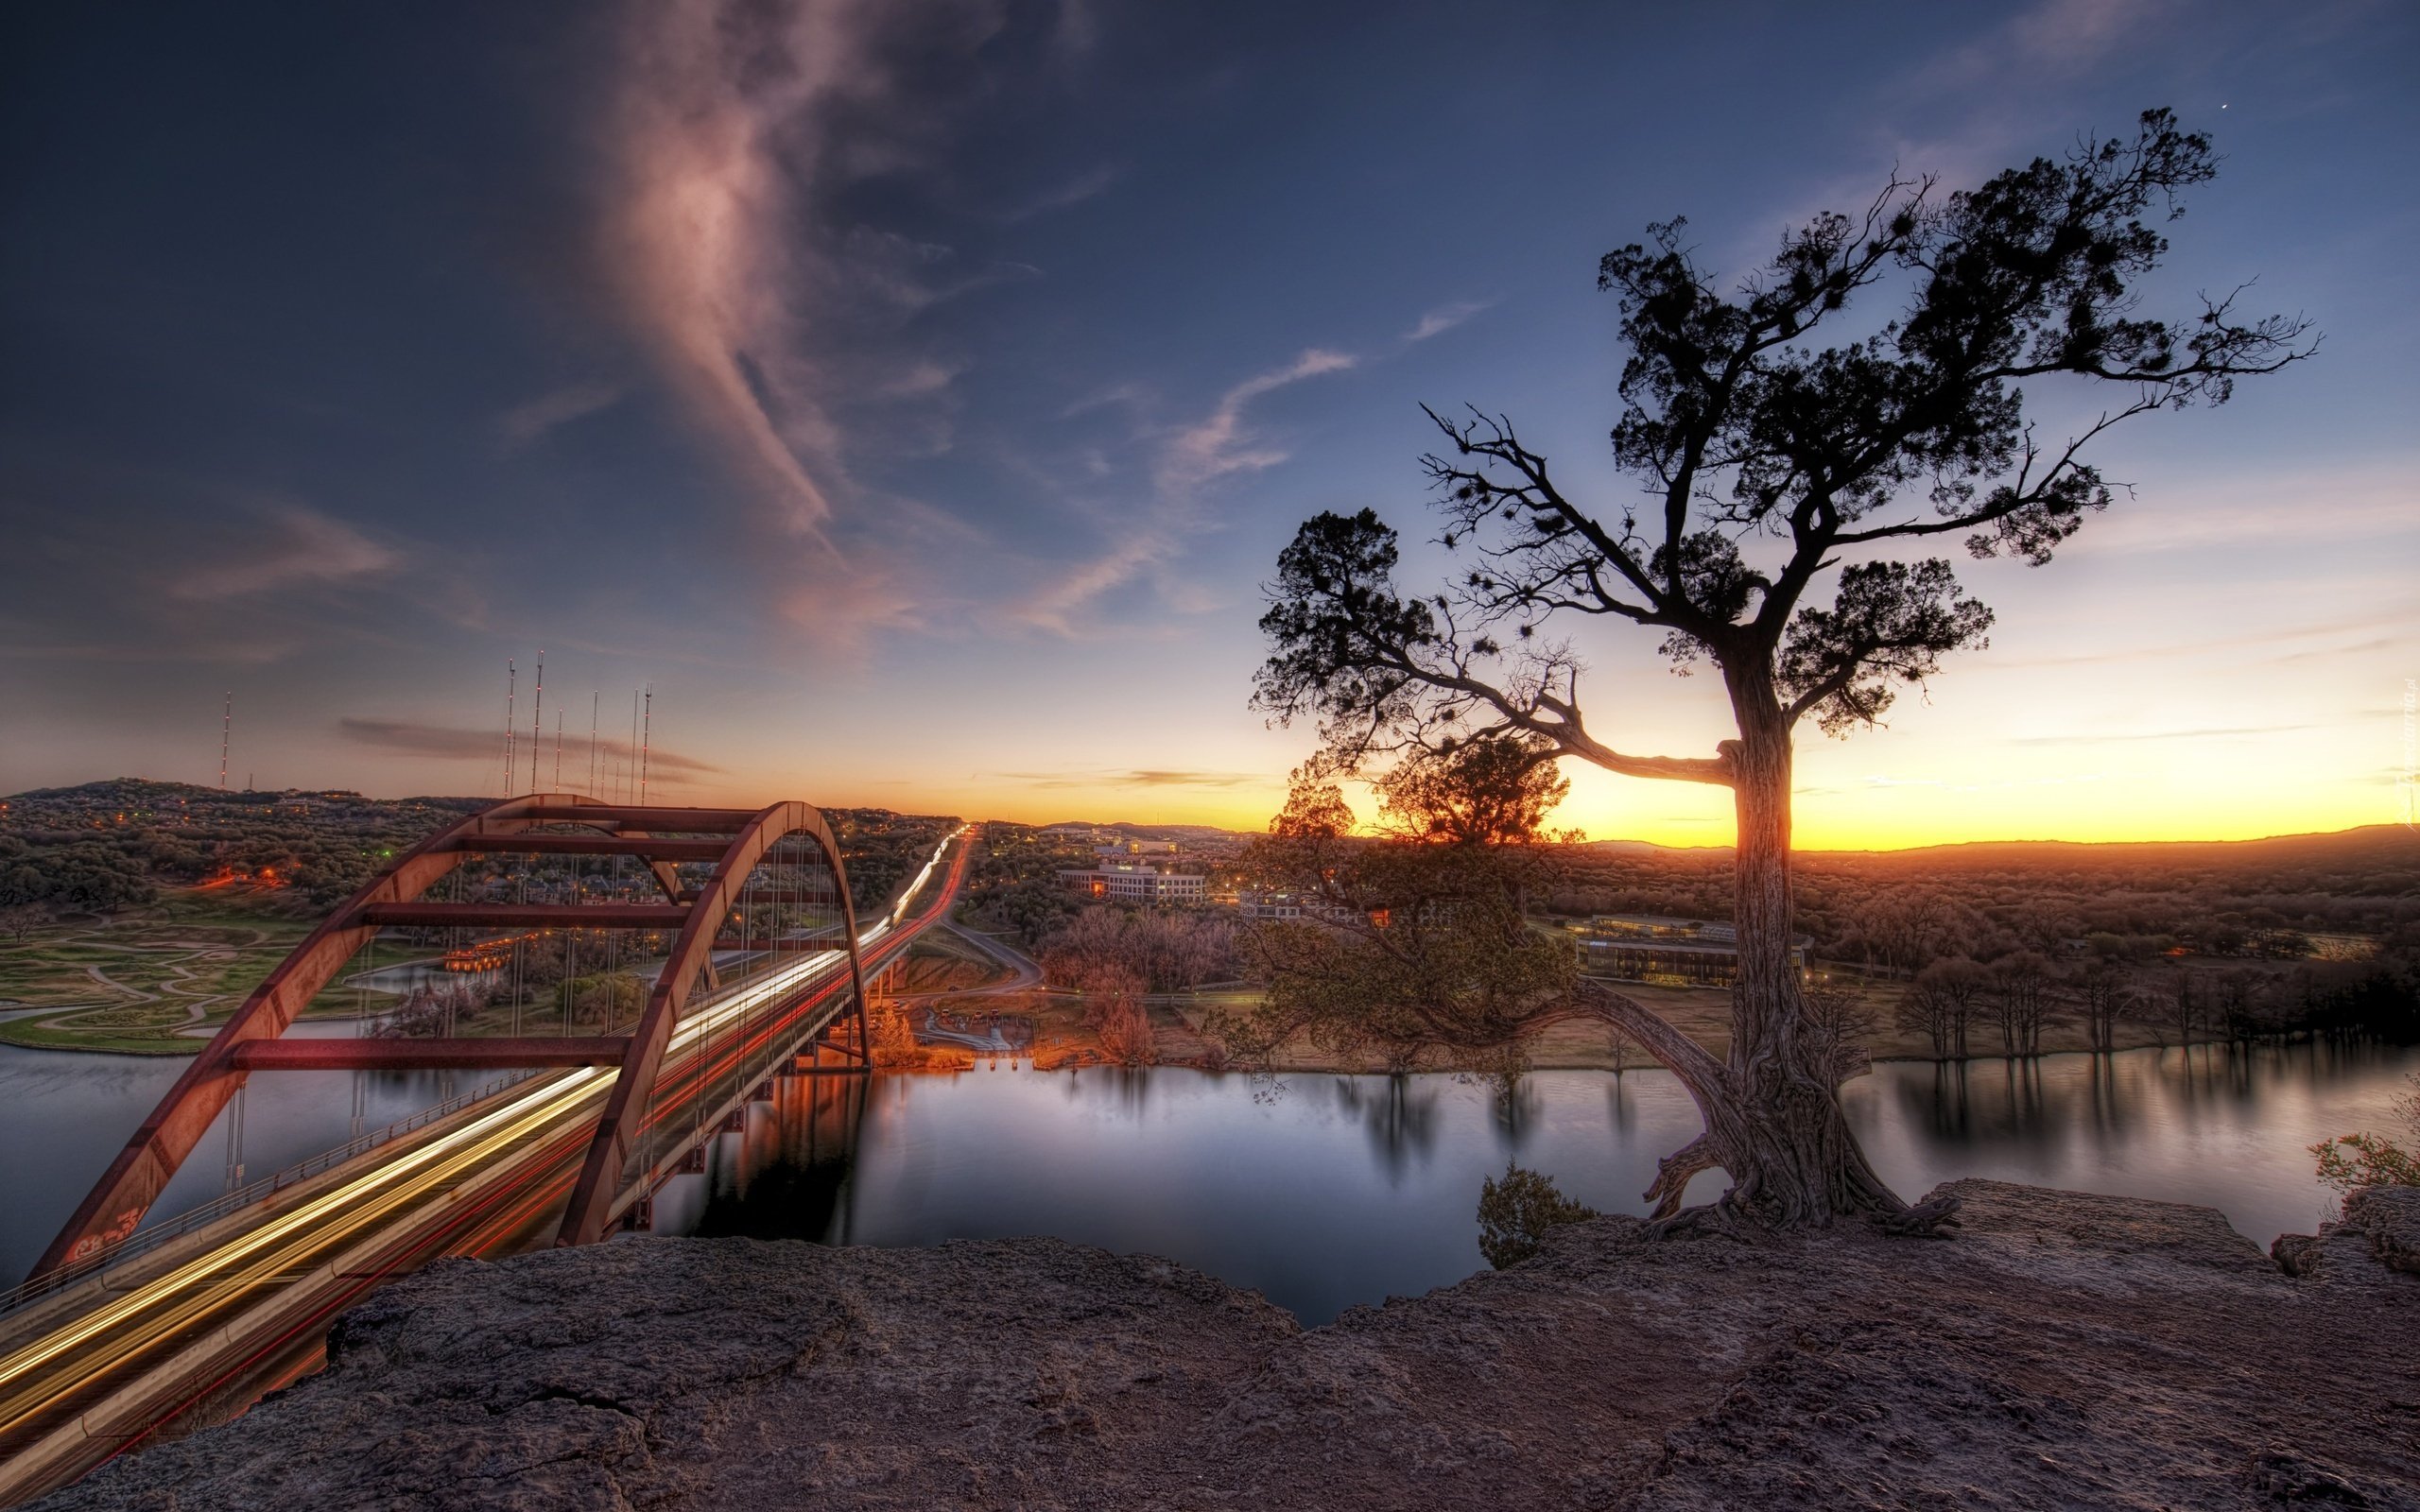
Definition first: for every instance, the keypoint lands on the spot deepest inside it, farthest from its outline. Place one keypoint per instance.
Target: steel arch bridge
(537, 824)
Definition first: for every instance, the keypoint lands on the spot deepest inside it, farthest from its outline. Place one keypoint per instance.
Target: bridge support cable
(251, 1039)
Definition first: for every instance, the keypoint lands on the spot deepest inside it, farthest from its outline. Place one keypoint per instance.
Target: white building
(1129, 882)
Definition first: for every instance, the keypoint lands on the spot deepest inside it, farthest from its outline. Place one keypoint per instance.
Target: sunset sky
(915, 394)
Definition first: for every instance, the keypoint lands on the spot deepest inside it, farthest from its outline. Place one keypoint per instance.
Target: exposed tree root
(1785, 1142)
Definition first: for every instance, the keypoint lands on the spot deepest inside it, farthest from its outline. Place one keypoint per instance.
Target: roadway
(211, 1322)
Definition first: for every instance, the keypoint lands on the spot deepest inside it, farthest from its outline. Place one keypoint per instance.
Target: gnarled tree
(1784, 491)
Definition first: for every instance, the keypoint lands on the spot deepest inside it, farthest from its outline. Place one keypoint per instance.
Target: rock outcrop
(2064, 1351)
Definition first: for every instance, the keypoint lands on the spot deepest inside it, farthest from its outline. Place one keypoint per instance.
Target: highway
(207, 1323)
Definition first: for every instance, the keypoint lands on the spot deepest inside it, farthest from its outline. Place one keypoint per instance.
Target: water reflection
(1321, 1190)
(1324, 1192)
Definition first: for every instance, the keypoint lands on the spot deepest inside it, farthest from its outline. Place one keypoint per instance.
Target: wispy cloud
(1444, 317)
(1141, 777)
(1220, 443)
(303, 548)
(526, 423)
(2122, 737)
(2268, 639)
(785, 322)
(1190, 458)
(451, 743)
(1089, 184)
(2060, 38)
(1057, 605)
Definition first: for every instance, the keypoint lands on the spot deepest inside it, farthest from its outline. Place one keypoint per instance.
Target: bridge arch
(252, 1041)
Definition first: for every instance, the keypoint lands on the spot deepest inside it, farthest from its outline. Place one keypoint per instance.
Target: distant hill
(1154, 831)
(99, 846)
(2363, 843)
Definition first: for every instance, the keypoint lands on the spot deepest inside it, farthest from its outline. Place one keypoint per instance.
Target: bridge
(127, 1329)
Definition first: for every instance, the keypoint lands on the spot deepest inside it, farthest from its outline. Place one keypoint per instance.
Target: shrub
(1515, 1211)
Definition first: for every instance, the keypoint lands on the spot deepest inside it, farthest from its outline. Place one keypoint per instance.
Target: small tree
(17, 920)
(892, 1036)
(2184, 1007)
(1939, 1005)
(2353, 1160)
(1114, 1012)
(1415, 941)
(1826, 464)
(2019, 991)
(1840, 1020)
(1515, 1211)
(2107, 993)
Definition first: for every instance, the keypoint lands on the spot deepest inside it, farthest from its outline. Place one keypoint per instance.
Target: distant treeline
(1897, 912)
(105, 846)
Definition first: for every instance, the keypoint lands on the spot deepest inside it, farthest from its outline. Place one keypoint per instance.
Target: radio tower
(647, 733)
(508, 752)
(537, 726)
(226, 733)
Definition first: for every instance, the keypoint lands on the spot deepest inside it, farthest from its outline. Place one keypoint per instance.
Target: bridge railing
(151, 1236)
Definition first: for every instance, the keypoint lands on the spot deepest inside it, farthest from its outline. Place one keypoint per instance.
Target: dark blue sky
(914, 393)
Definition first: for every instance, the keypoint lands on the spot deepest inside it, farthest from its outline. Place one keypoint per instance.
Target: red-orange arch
(167, 1136)
(603, 1172)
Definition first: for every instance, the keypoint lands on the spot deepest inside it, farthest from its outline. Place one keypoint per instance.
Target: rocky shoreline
(2065, 1351)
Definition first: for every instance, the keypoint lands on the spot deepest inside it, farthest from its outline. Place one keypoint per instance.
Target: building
(1667, 952)
(1291, 907)
(1275, 905)
(1162, 848)
(1129, 881)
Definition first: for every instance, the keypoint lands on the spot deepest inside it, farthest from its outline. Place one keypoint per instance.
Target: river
(1321, 1190)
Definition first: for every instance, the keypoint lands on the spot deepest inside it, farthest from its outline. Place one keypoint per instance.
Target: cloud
(2213, 732)
(1219, 443)
(1190, 458)
(1055, 607)
(2260, 640)
(1444, 317)
(738, 132)
(524, 424)
(452, 743)
(1086, 185)
(306, 548)
(1134, 777)
(1127, 395)
(2060, 37)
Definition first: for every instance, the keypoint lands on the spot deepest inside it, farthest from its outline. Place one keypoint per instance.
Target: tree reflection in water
(1325, 1191)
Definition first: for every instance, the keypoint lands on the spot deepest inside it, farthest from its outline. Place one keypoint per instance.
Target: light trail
(482, 1137)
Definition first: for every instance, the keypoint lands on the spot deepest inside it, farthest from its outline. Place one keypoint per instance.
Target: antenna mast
(537, 716)
(509, 767)
(226, 733)
(645, 735)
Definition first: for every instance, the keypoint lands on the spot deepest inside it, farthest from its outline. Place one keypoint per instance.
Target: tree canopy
(1764, 462)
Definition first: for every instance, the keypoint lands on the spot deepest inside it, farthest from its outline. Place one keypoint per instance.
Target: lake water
(1320, 1191)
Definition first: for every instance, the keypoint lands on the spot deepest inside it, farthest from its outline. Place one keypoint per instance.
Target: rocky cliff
(2062, 1351)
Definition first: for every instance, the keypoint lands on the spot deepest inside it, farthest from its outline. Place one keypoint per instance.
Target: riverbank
(2063, 1350)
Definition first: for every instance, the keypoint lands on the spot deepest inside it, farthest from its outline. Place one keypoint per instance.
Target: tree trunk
(1774, 1118)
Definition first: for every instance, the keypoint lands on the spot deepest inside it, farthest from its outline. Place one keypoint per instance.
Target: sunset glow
(920, 429)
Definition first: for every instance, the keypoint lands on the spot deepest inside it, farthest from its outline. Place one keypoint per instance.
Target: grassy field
(141, 982)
